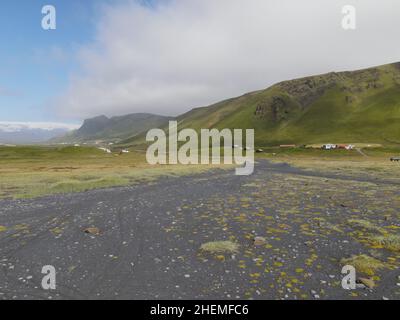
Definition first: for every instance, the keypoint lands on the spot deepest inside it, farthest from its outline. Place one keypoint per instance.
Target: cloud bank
(20, 126)
(180, 54)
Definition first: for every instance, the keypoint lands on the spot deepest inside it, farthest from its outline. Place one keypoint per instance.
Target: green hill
(357, 106)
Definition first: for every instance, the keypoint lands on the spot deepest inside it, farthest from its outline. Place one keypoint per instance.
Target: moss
(365, 224)
(220, 247)
(364, 264)
(390, 242)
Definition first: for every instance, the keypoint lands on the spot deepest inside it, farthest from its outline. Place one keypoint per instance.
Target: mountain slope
(115, 128)
(357, 106)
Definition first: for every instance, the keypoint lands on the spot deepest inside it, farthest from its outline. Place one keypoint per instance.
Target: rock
(259, 241)
(360, 286)
(369, 283)
(93, 231)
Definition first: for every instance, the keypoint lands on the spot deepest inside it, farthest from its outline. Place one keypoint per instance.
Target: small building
(329, 146)
(105, 150)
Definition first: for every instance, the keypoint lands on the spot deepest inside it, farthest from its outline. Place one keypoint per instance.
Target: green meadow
(32, 171)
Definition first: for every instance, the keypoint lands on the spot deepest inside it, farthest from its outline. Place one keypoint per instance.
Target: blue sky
(35, 64)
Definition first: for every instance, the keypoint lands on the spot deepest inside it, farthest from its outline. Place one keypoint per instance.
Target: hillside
(356, 106)
(114, 129)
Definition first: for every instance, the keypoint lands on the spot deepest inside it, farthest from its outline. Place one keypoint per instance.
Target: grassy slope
(347, 107)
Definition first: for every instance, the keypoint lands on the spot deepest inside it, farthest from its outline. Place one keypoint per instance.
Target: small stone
(259, 241)
(93, 231)
(157, 260)
(367, 282)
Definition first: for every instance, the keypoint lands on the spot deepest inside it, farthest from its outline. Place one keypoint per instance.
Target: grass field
(370, 162)
(33, 171)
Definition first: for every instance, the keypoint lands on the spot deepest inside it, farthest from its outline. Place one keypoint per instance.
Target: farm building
(329, 146)
(337, 146)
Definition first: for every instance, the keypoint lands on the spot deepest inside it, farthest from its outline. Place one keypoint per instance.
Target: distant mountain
(114, 129)
(344, 107)
(30, 132)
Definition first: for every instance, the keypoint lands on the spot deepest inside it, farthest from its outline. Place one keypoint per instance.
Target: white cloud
(20, 126)
(189, 53)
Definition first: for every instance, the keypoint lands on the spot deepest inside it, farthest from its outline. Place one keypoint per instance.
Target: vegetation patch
(365, 224)
(220, 247)
(390, 242)
(364, 264)
(68, 186)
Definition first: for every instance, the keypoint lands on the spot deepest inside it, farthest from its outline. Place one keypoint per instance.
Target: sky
(116, 57)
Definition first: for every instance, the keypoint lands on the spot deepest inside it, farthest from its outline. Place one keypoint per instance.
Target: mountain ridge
(115, 128)
(347, 106)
